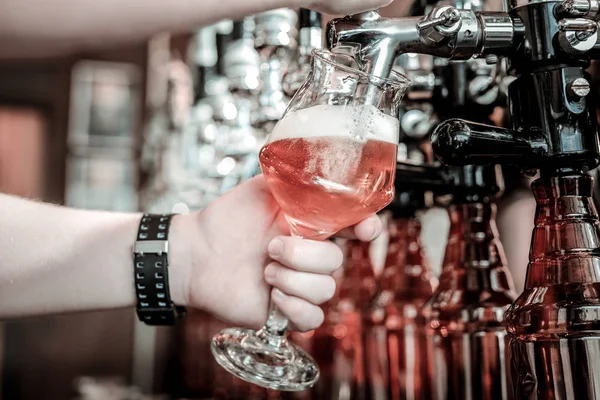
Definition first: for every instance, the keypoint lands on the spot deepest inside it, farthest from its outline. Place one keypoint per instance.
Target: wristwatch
(151, 274)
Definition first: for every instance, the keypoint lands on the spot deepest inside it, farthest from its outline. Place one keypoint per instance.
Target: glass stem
(276, 323)
(273, 333)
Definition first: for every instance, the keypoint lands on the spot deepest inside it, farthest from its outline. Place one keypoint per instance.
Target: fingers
(303, 316)
(314, 288)
(366, 230)
(306, 255)
(300, 276)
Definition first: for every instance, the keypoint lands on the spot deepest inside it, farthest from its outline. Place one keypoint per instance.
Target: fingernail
(275, 247)
(279, 293)
(270, 274)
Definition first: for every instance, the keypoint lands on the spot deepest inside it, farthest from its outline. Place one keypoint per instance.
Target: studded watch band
(151, 262)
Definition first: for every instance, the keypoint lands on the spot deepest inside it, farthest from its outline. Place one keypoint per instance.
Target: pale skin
(228, 259)
(58, 260)
(47, 28)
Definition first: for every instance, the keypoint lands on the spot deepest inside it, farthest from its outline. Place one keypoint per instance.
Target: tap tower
(554, 326)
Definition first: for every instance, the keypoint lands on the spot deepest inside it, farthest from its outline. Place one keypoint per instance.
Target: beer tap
(466, 311)
(553, 130)
(446, 31)
(558, 307)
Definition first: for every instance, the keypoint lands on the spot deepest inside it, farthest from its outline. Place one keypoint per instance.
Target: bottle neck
(474, 259)
(406, 273)
(566, 237)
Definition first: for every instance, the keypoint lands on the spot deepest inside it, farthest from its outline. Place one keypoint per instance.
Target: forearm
(57, 260)
(49, 27)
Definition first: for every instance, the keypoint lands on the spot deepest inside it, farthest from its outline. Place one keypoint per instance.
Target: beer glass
(329, 162)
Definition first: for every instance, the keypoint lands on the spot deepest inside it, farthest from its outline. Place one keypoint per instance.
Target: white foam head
(361, 122)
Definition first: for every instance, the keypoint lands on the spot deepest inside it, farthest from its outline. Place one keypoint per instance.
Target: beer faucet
(446, 31)
(553, 129)
(476, 288)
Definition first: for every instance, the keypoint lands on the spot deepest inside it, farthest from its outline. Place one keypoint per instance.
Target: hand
(345, 7)
(241, 250)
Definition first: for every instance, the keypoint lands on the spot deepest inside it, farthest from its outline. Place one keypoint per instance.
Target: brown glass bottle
(336, 345)
(322, 344)
(358, 290)
(467, 344)
(555, 323)
(406, 284)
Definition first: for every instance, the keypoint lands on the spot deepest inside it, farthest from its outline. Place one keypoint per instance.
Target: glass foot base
(264, 360)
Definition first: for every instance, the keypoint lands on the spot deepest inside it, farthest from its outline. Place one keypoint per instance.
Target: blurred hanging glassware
(275, 41)
(168, 173)
(310, 37)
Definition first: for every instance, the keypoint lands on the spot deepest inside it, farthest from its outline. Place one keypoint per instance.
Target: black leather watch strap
(151, 262)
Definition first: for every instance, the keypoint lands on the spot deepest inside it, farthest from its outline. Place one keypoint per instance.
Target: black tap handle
(422, 176)
(309, 19)
(459, 142)
(412, 183)
(466, 183)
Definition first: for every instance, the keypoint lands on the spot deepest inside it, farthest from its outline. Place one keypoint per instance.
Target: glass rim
(396, 79)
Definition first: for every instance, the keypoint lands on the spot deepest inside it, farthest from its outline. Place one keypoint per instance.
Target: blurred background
(164, 125)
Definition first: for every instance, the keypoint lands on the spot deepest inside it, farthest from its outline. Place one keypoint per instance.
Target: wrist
(191, 261)
(181, 259)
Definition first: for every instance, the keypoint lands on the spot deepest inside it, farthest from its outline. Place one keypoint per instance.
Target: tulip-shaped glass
(329, 163)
